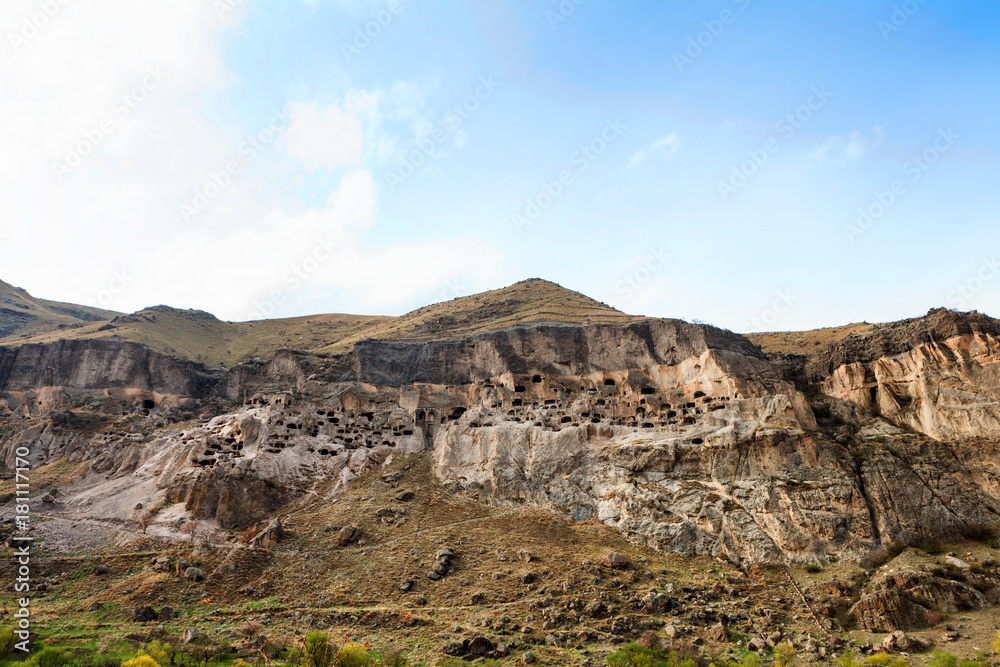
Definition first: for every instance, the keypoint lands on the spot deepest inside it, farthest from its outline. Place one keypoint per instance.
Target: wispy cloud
(854, 146)
(663, 148)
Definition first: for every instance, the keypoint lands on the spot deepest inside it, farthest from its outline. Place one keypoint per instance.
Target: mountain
(199, 336)
(454, 477)
(22, 315)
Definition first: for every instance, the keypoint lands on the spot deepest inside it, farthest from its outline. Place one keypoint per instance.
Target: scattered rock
(406, 586)
(528, 658)
(348, 535)
(615, 561)
(718, 633)
(957, 562)
(194, 574)
(480, 645)
(144, 615)
(166, 614)
(524, 556)
(101, 569)
(194, 636)
(269, 537)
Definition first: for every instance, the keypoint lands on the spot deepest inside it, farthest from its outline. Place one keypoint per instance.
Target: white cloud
(664, 148)
(117, 212)
(323, 138)
(854, 146)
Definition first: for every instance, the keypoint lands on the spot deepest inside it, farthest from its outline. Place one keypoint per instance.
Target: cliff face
(99, 364)
(681, 436)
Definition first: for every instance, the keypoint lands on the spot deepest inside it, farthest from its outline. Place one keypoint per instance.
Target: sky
(757, 166)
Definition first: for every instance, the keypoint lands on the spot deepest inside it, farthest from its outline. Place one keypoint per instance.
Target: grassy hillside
(23, 315)
(807, 343)
(202, 337)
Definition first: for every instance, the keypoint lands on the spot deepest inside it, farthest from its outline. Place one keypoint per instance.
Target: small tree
(142, 519)
(193, 528)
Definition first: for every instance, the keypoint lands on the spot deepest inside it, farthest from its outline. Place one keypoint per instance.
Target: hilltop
(200, 336)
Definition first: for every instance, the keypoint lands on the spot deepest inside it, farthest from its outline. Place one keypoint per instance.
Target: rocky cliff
(683, 437)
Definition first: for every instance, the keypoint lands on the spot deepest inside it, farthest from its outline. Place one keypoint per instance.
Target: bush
(941, 658)
(885, 660)
(141, 661)
(812, 568)
(783, 654)
(7, 641)
(317, 651)
(977, 532)
(53, 657)
(353, 655)
(161, 652)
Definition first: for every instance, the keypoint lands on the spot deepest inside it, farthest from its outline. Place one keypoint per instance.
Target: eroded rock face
(683, 437)
(946, 389)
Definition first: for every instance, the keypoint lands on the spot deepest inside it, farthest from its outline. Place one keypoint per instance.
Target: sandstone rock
(957, 562)
(718, 633)
(194, 636)
(457, 649)
(481, 646)
(615, 561)
(269, 537)
(348, 535)
(144, 615)
(524, 556)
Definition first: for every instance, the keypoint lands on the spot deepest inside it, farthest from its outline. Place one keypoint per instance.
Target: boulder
(269, 537)
(194, 636)
(718, 633)
(348, 535)
(480, 645)
(615, 561)
(194, 574)
(166, 614)
(144, 615)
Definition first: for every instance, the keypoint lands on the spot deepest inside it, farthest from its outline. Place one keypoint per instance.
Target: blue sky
(713, 157)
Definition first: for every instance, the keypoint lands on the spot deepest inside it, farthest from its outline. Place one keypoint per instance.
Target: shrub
(941, 658)
(930, 545)
(161, 652)
(141, 661)
(812, 568)
(317, 651)
(353, 655)
(996, 643)
(53, 657)
(977, 532)
(783, 654)
(885, 660)
(7, 641)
